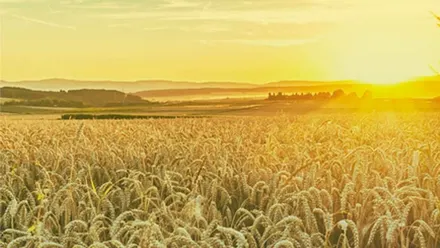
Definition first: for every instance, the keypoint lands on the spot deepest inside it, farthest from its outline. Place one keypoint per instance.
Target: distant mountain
(428, 87)
(57, 84)
(420, 87)
(295, 83)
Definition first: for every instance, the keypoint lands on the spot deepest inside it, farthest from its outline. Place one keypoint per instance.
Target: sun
(380, 79)
(385, 53)
(382, 69)
(385, 62)
(385, 74)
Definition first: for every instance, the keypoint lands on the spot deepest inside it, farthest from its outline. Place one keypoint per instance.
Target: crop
(340, 180)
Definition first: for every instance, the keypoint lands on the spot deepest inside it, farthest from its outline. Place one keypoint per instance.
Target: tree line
(337, 94)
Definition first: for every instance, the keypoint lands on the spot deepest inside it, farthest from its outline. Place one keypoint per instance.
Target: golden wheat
(351, 180)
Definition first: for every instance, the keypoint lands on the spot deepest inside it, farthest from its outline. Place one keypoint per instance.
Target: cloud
(155, 28)
(270, 43)
(81, 4)
(53, 11)
(119, 25)
(194, 28)
(254, 15)
(33, 20)
(19, 1)
(67, 2)
(179, 4)
(275, 11)
(204, 29)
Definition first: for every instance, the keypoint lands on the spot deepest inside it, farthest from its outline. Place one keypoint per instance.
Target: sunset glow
(201, 40)
(220, 123)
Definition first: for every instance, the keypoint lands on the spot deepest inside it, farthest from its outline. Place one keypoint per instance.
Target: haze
(243, 41)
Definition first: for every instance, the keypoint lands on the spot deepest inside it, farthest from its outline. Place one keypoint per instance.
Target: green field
(3, 100)
(164, 109)
(226, 107)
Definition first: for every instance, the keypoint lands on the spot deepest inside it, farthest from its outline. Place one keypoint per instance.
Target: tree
(352, 96)
(338, 94)
(367, 96)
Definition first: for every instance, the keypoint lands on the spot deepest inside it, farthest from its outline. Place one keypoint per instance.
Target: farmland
(318, 180)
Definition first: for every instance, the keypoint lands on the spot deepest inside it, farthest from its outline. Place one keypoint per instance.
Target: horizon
(415, 78)
(206, 41)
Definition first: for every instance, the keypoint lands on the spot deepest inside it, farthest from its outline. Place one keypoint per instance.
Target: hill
(71, 98)
(424, 87)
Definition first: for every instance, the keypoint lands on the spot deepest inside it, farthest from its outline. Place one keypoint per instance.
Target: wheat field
(340, 180)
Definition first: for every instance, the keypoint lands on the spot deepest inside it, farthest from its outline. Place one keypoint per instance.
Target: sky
(223, 40)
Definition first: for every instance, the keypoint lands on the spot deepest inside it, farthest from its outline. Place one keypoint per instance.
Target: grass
(17, 109)
(230, 108)
(3, 100)
(345, 180)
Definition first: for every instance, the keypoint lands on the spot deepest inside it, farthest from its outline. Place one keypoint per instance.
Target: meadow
(317, 180)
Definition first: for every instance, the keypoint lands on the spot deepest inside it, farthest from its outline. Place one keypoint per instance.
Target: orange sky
(202, 40)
